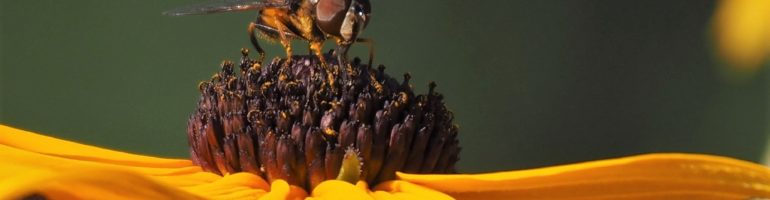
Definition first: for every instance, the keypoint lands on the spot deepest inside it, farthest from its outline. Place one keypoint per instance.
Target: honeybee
(314, 21)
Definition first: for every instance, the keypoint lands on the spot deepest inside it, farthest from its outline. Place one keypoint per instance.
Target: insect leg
(370, 43)
(342, 56)
(342, 53)
(254, 42)
(285, 42)
(315, 48)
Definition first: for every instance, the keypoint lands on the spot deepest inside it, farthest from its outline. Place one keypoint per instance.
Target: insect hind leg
(342, 56)
(255, 42)
(277, 31)
(285, 42)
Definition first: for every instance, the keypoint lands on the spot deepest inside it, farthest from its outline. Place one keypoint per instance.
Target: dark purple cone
(315, 155)
(290, 123)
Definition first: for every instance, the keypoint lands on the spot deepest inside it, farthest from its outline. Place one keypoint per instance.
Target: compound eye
(330, 14)
(363, 9)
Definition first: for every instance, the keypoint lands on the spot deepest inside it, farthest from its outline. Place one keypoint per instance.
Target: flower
(304, 122)
(34, 166)
(741, 31)
(311, 131)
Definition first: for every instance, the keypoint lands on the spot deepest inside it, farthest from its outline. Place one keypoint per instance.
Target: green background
(532, 83)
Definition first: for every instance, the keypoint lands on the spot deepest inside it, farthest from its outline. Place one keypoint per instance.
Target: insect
(314, 21)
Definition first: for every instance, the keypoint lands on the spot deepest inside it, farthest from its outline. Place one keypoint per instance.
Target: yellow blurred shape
(742, 32)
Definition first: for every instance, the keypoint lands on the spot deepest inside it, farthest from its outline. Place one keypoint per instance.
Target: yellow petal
(336, 189)
(407, 190)
(281, 189)
(742, 32)
(233, 186)
(85, 172)
(18, 158)
(656, 176)
(382, 195)
(87, 183)
(51, 146)
(27, 169)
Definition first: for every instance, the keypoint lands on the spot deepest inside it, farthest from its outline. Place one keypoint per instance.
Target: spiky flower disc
(298, 122)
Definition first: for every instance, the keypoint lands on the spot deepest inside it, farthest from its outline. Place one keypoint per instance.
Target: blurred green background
(532, 83)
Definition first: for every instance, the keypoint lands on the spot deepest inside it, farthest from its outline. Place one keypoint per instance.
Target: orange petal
(657, 176)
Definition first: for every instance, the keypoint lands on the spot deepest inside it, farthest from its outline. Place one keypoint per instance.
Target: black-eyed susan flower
(285, 132)
(291, 123)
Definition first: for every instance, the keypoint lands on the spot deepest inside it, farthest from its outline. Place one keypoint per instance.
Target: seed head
(304, 123)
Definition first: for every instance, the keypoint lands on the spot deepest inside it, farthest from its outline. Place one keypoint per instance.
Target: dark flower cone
(290, 122)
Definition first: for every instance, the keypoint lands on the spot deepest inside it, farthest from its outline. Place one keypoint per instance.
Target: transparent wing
(218, 6)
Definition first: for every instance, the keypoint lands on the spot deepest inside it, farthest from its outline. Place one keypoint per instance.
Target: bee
(314, 21)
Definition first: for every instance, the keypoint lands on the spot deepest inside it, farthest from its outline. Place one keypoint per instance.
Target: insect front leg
(316, 47)
(342, 56)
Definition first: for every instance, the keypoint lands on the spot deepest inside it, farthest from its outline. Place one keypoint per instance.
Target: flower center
(289, 122)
